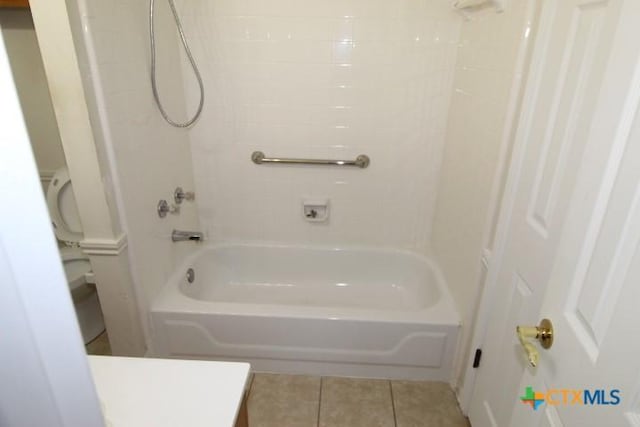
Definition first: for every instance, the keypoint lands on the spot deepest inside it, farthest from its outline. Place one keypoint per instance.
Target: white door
(570, 228)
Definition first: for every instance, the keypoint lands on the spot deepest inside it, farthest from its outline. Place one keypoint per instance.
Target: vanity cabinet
(138, 391)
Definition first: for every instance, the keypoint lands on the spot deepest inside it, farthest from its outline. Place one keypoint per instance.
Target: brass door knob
(543, 333)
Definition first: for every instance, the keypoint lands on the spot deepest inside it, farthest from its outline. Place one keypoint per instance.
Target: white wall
(44, 370)
(320, 79)
(33, 90)
(103, 240)
(486, 84)
(146, 157)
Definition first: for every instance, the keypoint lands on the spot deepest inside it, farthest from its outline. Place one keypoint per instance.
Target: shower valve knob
(179, 195)
(164, 208)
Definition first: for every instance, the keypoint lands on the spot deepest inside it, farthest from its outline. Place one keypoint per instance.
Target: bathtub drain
(191, 275)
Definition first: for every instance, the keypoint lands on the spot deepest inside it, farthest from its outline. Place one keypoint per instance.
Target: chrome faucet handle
(164, 208)
(179, 195)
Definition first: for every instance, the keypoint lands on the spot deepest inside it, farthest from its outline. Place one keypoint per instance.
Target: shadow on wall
(31, 82)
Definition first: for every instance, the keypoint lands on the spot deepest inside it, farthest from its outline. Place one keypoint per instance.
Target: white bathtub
(353, 312)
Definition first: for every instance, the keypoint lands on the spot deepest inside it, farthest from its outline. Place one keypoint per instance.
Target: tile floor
(307, 401)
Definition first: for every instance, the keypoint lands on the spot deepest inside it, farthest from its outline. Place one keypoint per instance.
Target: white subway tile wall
(485, 73)
(320, 79)
(151, 158)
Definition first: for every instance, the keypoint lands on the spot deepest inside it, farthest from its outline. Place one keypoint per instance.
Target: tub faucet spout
(184, 236)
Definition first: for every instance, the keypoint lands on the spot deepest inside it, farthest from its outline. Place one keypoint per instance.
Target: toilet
(68, 229)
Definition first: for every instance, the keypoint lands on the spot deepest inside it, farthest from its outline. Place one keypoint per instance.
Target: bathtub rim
(171, 299)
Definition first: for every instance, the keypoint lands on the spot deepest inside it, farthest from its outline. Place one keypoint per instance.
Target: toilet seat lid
(63, 209)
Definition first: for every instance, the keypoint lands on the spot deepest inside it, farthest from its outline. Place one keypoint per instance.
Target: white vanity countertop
(140, 392)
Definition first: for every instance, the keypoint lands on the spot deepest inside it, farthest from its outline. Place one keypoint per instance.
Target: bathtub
(319, 311)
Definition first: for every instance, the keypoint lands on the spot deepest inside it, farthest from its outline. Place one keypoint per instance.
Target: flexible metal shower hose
(154, 86)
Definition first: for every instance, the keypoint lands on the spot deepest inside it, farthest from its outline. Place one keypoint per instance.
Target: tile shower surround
(290, 78)
(116, 67)
(331, 79)
(486, 68)
(334, 78)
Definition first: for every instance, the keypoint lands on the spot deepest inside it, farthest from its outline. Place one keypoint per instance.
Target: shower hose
(196, 72)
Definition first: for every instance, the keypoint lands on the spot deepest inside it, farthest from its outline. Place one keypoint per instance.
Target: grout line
(393, 405)
(319, 402)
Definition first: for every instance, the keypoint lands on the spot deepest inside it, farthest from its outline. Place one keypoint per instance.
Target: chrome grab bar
(362, 161)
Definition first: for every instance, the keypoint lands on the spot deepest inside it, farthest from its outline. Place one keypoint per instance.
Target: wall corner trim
(109, 247)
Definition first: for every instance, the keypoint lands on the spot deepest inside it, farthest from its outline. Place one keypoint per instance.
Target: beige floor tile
(100, 345)
(284, 401)
(347, 402)
(426, 404)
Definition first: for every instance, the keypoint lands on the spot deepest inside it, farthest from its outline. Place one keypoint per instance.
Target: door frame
(503, 197)
(630, 109)
(543, 32)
